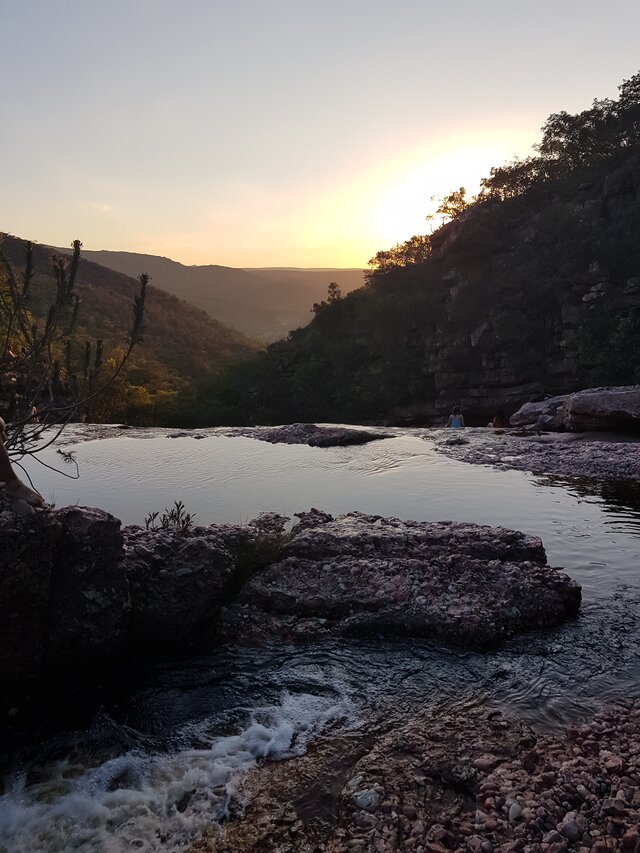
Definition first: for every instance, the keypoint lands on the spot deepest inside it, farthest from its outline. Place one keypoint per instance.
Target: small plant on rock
(176, 518)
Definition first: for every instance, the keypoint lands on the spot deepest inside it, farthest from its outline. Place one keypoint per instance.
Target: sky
(308, 133)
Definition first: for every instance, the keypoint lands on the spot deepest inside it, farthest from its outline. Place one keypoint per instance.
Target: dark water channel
(156, 760)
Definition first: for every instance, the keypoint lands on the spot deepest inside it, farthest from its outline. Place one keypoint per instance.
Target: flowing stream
(155, 761)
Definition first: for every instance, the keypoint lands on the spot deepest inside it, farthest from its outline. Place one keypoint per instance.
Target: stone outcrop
(604, 409)
(313, 435)
(561, 454)
(594, 409)
(366, 575)
(77, 593)
(544, 414)
(178, 581)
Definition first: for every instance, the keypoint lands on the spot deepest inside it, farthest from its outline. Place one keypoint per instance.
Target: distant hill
(264, 304)
(181, 343)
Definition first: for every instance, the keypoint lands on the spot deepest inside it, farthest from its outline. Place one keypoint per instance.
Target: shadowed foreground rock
(366, 575)
(77, 593)
(313, 435)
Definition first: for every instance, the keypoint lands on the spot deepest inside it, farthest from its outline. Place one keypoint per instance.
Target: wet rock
(432, 746)
(461, 583)
(583, 455)
(313, 435)
(515, 812)
(175, 582)
(27, 547)
(76, 595)
(368, 800)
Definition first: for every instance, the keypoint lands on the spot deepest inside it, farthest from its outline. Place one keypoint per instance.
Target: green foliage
(182, 344)
(453, 205)
(414, 251)
(51, 376)
(176, 518)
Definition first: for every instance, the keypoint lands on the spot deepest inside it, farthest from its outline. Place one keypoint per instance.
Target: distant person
(13, 485)
(456, 419)
(500, 420)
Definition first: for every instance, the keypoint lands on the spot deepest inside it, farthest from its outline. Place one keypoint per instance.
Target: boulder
(604, 409)
(365, 575)
(178, 580)
(176, 584)
(546, 414)
(27, 546)
(76, 595)
(608, 409)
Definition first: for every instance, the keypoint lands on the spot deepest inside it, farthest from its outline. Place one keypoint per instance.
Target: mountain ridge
(264, 303)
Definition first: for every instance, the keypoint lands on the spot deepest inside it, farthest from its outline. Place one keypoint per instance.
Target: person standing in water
(456, 419)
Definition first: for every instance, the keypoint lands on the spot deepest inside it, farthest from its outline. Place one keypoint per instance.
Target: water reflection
(621, 498)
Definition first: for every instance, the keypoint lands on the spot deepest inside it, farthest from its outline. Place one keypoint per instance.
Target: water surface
(161, 758)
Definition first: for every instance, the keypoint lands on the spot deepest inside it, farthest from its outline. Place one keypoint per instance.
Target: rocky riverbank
(78, 593)
(463, 778)
(595, 456)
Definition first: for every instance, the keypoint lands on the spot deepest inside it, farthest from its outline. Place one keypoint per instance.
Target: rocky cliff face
(536, 312)
(529, 296)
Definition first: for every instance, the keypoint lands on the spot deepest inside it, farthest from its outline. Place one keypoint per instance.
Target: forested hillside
(262, 303)
(532, 287)
(182, 344)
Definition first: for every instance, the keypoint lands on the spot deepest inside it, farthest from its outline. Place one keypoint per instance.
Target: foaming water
(156, 801)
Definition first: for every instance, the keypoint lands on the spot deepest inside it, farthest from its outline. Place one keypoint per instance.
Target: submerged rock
(365, 575)
(314, 436)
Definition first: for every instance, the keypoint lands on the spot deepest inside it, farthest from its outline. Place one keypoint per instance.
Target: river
(156, 760)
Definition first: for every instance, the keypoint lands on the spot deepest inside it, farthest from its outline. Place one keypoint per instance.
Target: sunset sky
(280, 132)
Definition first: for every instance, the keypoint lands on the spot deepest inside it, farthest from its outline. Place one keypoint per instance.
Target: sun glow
(387, 202)
(412, 187)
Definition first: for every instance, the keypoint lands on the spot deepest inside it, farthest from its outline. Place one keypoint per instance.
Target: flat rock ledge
(463, 778)
(313, 435)
(363, 575)
(562, 454)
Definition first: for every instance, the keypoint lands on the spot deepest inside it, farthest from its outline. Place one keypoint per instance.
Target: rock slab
(363, 575)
